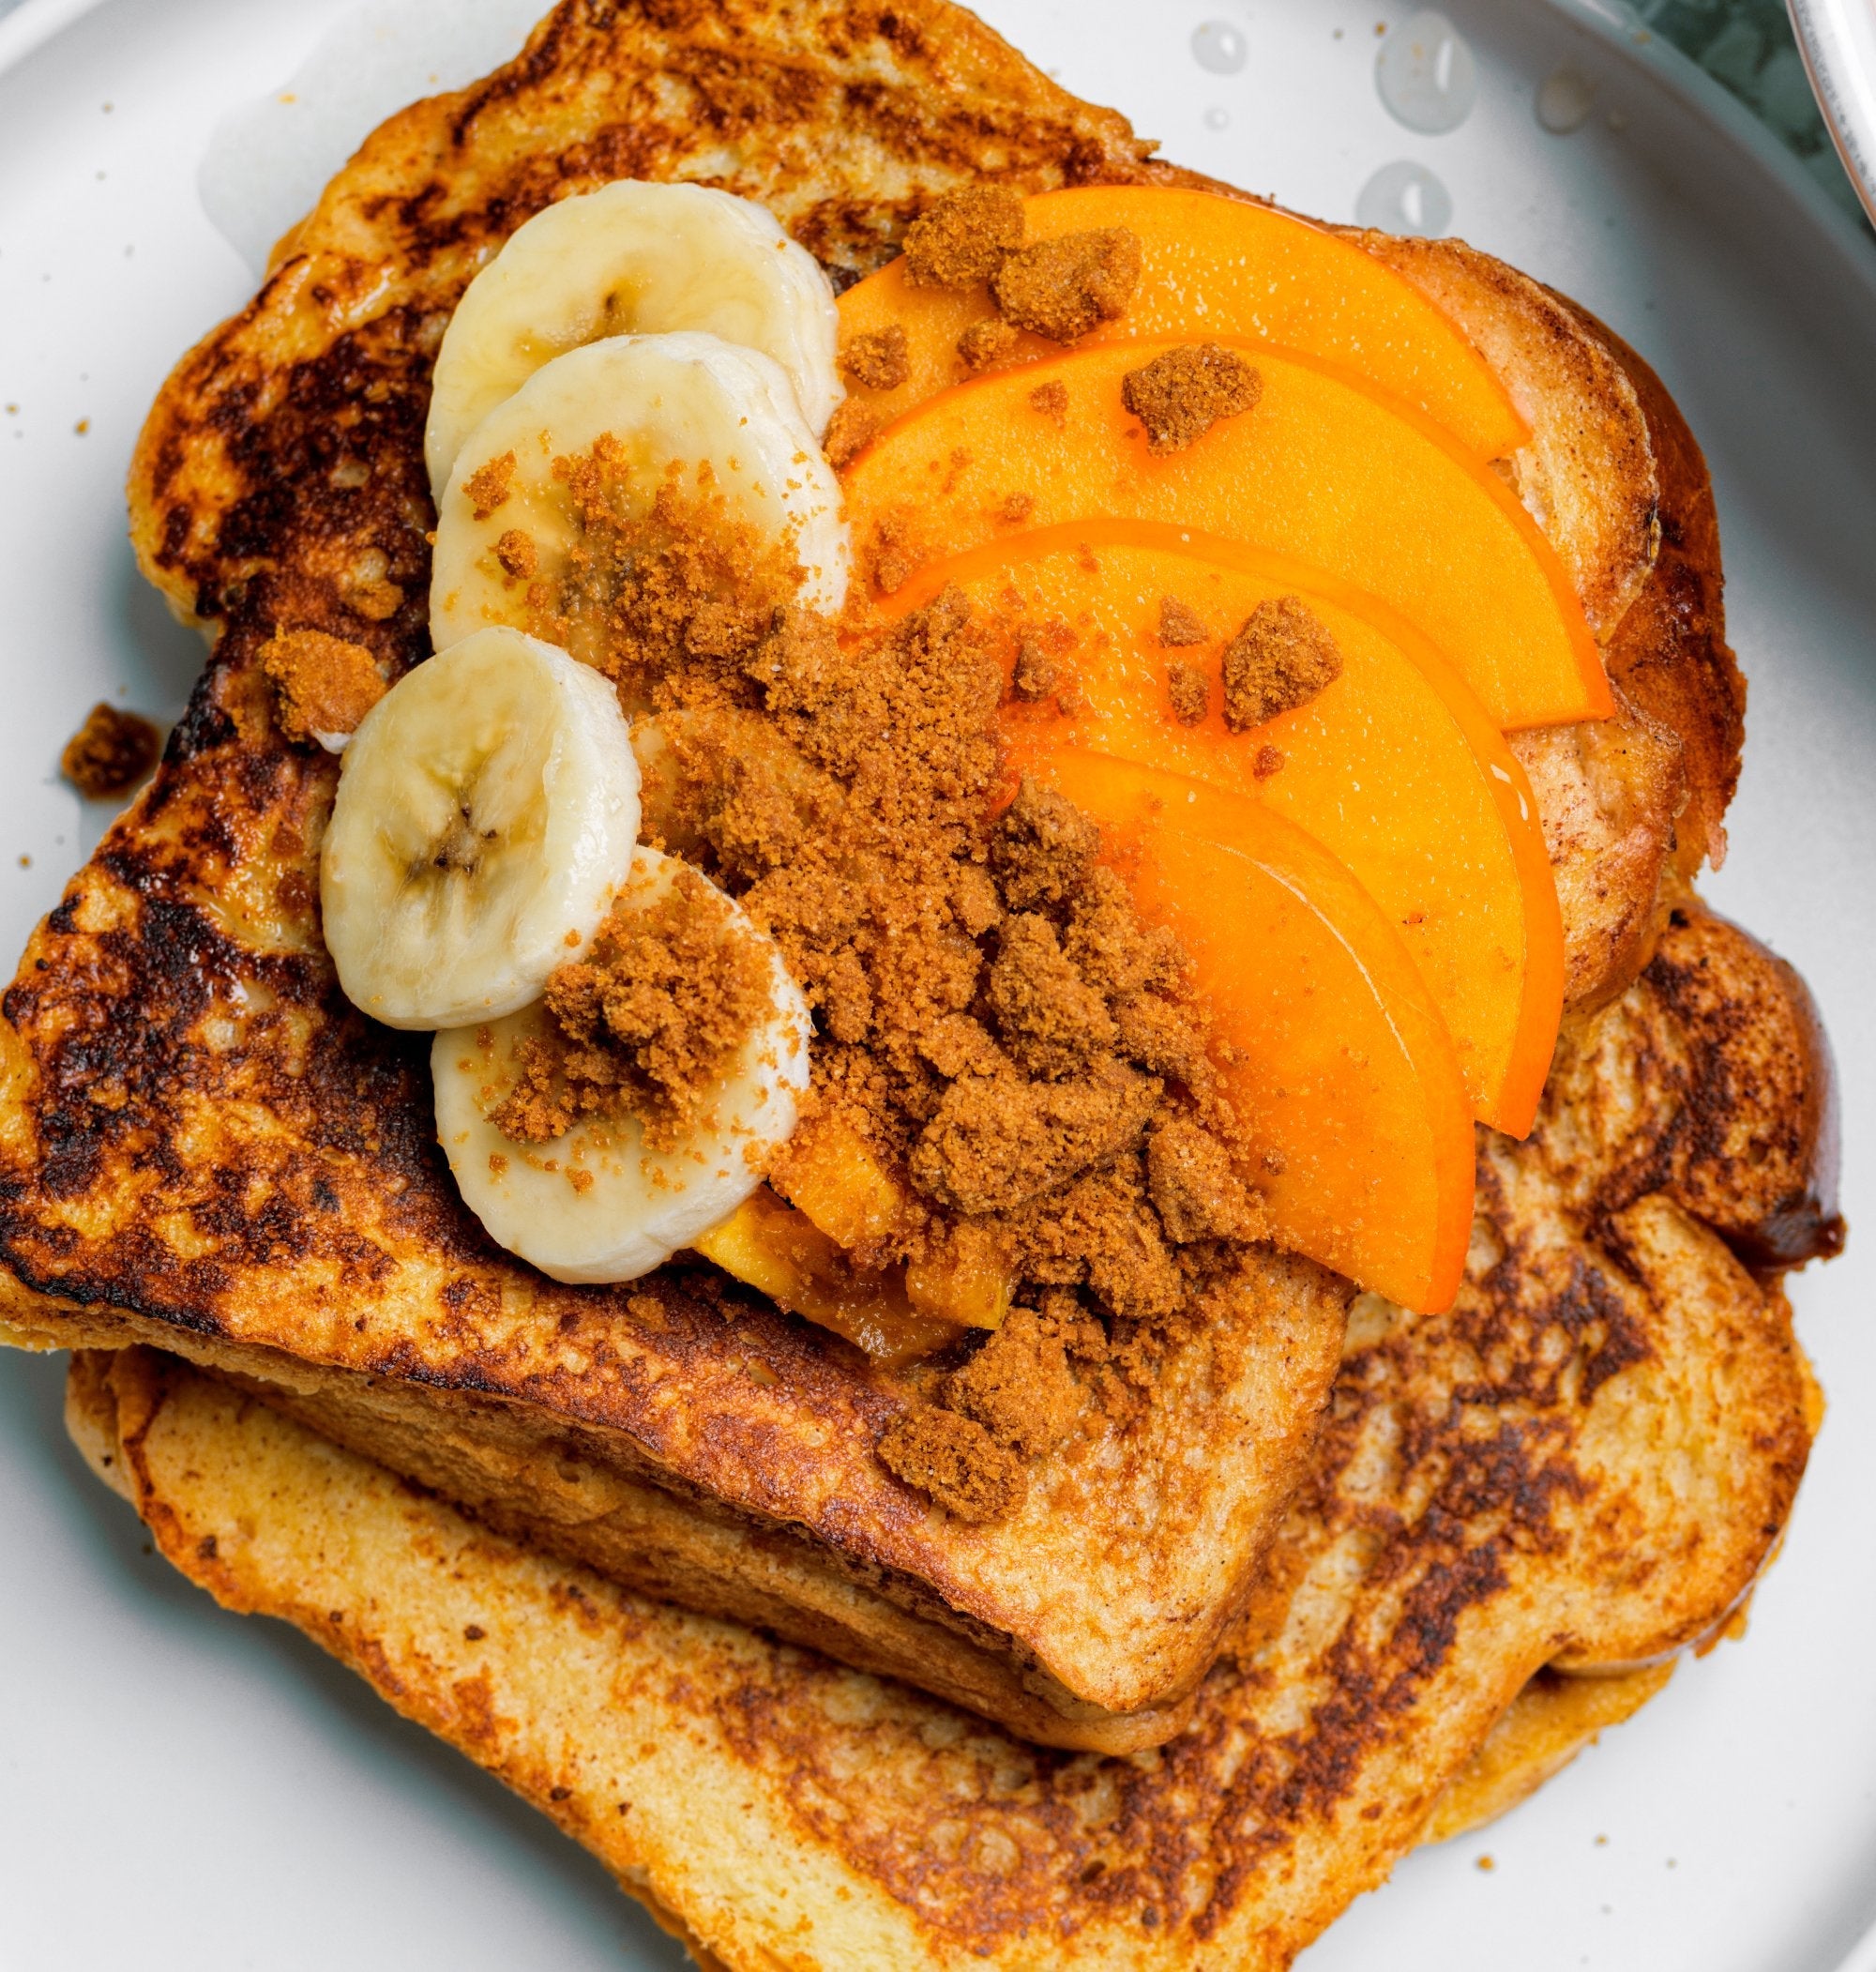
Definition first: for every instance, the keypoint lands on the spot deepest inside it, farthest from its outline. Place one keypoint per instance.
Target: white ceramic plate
(1837, 40)
(179, 1789)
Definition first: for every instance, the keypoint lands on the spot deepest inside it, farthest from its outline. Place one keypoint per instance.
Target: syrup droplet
(1405, 198)
(1565, 99)
(1427, 76)
(1216, 118)
(1219, 47)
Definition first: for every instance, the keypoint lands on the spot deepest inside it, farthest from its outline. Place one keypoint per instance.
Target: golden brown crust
(1543, 1729)
(1590, 1459)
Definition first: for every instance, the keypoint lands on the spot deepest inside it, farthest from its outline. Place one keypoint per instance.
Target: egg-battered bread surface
(203, 1144)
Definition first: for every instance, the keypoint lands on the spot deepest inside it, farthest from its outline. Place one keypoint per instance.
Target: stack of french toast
(1072, 1226)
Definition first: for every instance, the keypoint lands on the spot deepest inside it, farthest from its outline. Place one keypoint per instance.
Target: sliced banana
(597, 1204)
(723, 417)
(486, 816)
(632, 259)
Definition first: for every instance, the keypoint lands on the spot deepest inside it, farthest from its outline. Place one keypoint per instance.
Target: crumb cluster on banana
(600, 1201)
(487, 820)
(725, 416)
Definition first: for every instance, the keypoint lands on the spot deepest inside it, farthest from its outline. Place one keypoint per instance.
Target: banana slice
(598, 1203)
(486, 816)
(507, 526)
(632, 259)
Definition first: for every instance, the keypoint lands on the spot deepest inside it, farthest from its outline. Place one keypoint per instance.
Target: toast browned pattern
(203, 1146)
(1584, 1465)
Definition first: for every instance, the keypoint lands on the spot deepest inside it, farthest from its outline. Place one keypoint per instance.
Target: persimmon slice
(1395, 767)
(1324, 469)
(1217, 266)
(1330, 1048)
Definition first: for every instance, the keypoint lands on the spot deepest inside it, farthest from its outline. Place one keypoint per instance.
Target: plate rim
(1613, 22)
(1820, 38)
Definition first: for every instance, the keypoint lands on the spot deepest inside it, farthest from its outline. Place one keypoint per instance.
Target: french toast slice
(1582, 1470)
(201, 1146)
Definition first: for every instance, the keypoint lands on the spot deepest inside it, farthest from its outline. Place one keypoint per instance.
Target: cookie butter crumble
(1180, 624)
(956, 1460)
(878, 359)
(854, 426)
(961, 239)
(1281, 660)
(323, 685)
(646, 1025)
(986, 343)
(110, 752)
(1182, 393)
(1066, 288)
(1189, 691)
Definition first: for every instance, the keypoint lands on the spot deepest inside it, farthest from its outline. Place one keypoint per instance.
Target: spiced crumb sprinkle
(1066, 288)
(1017, 508)
(961, 240)
(647, 1023)
(1052, 399)
(1035, 675)
(1042, 848)
(1048, 1018)
(486, 487)
(109, 753)
(878, 359)
(1182, 392)
(518, 556)
(1018, 1385)
(1269, 761)
(1197, 1192)
(854, 426)
(1190, 692)
(1282, 658)
(323, 685)
(1180, 624)
(986, 343)
(956, 1461)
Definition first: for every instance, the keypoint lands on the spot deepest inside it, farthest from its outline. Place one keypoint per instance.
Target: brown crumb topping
(1052, 399)
(486, 487)
(1180, 624)
(1020, 1386)
(999, 1142)
(961, 240)
(986, 343)
(1197, 1194)
(322, 684)
(1182, 393)
(1281, 660)
(854, 426)
(1043, 848)
(879, 359)
(656, 575)
(518, 556)
(1269, 761)
(110, 752)
(647, 1023)
(1066, 287)
(957, 1462)
(1190, 692)
(1034, 676)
